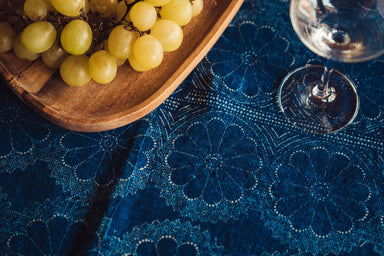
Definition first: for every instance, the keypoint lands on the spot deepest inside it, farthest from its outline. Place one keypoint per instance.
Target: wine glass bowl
(347, 31)
(316, 98)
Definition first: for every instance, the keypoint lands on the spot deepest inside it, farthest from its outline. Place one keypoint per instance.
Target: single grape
(120, 42)
(157, 3)
(102, 67)
(76, 37)
(35, 9)
(169, 33)
(121, 13)
(105, 8)
(179, 11)
(104, 46)
(74, 70)
(49, 5)
(87, 6)
(119, 62)
(7, 36)
(136, 66)
(38, 36)
(21, 52)
(54, 56)
(143, 15)
(71, 8)
(148, 51)
(197, 7)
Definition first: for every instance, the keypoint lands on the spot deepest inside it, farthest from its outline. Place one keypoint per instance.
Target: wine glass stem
(322, 90)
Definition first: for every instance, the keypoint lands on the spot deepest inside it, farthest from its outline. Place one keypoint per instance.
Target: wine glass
(320, 99)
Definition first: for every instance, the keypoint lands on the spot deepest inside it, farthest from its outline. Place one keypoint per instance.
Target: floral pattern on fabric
(248, 59)
(322, 196)
(215, 170)
(55, 236)
(55, 227)
(369, 79)
(211, 168)
(319, 197)
(162, 238)
(19, 134)
(106, 159)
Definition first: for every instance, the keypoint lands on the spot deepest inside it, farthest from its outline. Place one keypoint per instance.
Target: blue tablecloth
(215, 170)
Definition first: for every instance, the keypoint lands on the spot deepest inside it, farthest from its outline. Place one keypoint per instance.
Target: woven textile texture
(215, 170)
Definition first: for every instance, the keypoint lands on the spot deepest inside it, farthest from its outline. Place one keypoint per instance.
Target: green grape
(49, 5)
(148, 51)
(119, 62)
(54, 56)
(38, 36)
(120, 42)
(197, 7)
(76, 37)
(169, 33)
(22, 52)
(121, 12)
(143, 15)
(136, 66)
(104, 46)
(106, 8)
(7, 36)
(158, 2)
(35, 9)
(102, 67)
(71, 8)
(179, 11)
(74, 70)
(87, 6)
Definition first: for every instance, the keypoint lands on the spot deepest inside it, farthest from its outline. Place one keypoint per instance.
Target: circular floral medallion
(55, 236)
(53, 228)
(248, 59)
(211, 167)
(114, 158)
(171, 238)
(317, 197)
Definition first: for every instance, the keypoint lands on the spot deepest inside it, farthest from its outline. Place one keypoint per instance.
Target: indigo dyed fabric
(215, 170)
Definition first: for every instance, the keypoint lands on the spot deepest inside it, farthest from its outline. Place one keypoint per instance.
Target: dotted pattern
(182, 233)
(234, 86)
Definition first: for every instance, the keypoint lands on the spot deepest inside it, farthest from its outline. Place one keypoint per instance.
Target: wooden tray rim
(138, 111)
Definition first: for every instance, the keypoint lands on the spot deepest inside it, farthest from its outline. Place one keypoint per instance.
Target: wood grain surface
(131, 95)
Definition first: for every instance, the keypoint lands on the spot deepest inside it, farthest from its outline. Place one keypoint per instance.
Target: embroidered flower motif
(106, 157)
(55, 236)
(165, 246)
(369, 78)
(211, 168)
(162, 238)
(320, 192)
(248, 60)
(207, 167)
(19, 132)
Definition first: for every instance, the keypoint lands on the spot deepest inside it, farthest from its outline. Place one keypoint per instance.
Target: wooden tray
(132, 94)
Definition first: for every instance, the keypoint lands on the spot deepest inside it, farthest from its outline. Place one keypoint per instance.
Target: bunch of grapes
(90, 39)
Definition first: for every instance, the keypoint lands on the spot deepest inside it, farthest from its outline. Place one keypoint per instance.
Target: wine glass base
(318, 115)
